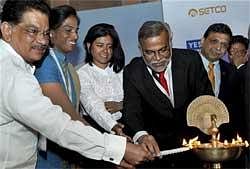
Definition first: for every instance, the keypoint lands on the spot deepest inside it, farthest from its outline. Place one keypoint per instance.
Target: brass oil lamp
(207, 113)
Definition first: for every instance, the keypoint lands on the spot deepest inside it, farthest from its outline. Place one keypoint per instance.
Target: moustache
(160, 62)
(40, 47)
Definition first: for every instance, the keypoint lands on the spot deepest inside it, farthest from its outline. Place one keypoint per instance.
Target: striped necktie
(211, 74)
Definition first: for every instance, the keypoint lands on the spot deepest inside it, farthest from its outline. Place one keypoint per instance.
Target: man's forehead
(34, 13)
(218, 35)
(35, 17)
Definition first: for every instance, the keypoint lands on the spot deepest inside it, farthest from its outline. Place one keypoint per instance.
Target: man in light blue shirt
(214, 45)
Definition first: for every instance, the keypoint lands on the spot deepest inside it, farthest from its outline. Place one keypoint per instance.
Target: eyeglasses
(162, 52)
(224, 45)
(238, 52)
(34, 32)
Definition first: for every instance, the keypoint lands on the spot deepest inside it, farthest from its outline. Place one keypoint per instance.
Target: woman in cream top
(101, 77)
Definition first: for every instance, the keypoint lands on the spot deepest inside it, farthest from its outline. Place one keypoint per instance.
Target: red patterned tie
(163, 81)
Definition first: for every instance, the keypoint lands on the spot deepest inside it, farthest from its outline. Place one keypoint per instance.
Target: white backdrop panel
(190, 18)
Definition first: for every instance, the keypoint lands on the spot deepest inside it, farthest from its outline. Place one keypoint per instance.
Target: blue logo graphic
(193, 44)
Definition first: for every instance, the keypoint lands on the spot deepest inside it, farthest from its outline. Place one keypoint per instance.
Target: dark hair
(153, 28)
(239, 39)
(218, 28)
(60, 13)
(13, 10)
(100, 30)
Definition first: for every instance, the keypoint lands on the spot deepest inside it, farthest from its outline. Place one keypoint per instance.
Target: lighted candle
(173, 151)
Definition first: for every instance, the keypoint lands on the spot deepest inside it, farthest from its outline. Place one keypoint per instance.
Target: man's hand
(136, 154)
(118, 131)
(149, 142)
(112, 106)
(125, 165)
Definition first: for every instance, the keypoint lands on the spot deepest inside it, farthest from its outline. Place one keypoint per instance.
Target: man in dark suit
(155, 111)
(247, 108)
(224, 81)
(244, 76)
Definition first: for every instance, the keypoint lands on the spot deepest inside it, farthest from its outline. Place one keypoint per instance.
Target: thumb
(126, 165)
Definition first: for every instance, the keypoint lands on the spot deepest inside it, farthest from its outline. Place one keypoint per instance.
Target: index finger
(153, 145)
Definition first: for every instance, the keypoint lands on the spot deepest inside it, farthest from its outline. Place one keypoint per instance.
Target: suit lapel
(178, 70)
(223, 74)
(158, 96)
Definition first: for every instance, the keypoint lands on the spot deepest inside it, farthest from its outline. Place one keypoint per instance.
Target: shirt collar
(16, 58)
(60, 56)
(240, 66)
(107, 70)
(206, 62)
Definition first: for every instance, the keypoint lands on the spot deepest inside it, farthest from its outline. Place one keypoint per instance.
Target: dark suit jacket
(245, 73)
(247, 98)
(228, 77)
(229, 94)
(247, 105)
(147, 108)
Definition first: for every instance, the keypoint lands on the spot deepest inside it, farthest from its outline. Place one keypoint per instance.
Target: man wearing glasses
(237, 50)
(157, 90)
(25, 112)
(224, 80)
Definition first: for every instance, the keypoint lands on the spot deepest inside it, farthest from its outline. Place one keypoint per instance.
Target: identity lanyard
(67, 85)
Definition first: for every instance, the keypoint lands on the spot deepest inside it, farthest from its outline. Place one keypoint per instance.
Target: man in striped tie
(224, 80)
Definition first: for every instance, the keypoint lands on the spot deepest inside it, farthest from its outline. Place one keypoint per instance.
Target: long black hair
(100, 30)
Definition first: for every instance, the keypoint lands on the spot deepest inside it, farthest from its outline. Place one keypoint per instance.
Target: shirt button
(111, 159)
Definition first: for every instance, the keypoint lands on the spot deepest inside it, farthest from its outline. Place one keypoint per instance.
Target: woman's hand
(112, 106)
(118, 131)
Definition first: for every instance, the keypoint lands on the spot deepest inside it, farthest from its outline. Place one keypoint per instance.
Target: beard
(158, 66)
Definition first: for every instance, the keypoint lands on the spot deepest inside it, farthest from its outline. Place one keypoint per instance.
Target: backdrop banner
(189, 19)
(127, 21)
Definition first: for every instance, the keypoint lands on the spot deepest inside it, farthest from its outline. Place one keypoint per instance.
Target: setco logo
(206, 11)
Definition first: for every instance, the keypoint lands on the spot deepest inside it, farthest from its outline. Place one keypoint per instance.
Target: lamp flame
(246, 143)
(218, 137)
(225, 142)
(184, 142)
(195, 143)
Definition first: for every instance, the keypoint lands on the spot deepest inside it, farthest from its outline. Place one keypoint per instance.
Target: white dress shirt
(98, 86)
(168, 77)
(24, 112)
(217, 73)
